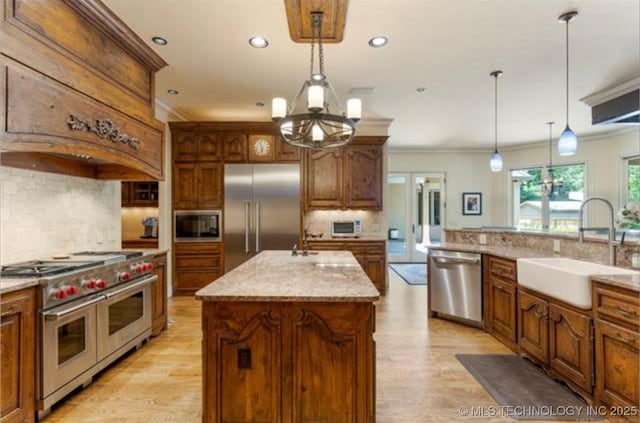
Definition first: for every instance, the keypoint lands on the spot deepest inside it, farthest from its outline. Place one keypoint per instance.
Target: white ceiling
(447, 46)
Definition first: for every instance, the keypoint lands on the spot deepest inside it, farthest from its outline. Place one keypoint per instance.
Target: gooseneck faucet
(611, 230)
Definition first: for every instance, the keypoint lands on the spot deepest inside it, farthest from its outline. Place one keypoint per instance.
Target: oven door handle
(71, 310)
(132, 287)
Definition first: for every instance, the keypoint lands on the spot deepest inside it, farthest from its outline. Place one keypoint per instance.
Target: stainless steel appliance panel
(261, 211)
(276, 205)
(238, 234)
(456, 284)
(197, 225)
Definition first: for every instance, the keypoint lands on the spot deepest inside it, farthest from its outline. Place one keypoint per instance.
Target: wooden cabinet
(196, 264)
(559, 337)
(349, 177)
(64, 99)
(159, 295)
(139, 194)
(197, 186)
(501, 299)
(235, 147)
(288, 362)
(370, 254)
(17, 356)
(286, 152)
(617, 340)
(197, 147)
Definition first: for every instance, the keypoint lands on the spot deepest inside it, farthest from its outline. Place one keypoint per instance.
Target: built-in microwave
(197, 225)
(346, 228)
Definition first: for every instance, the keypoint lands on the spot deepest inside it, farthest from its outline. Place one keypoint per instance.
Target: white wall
(42, 214)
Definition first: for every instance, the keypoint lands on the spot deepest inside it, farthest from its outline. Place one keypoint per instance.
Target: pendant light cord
(550, 144)
(567, 75)
(495, 112)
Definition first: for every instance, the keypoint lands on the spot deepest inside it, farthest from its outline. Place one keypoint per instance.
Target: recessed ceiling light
(172, 91)
(159, 41)
(260, 104)
(258, 42)
(378, 41)
(420, 89)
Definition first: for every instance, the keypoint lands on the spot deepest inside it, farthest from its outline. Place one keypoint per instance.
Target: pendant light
(550, 183)
(496, 159)
(568, 143)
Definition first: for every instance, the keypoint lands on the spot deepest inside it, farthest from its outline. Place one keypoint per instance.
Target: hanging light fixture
(568, 143)
(550, 183)
(322, 123)
(496, 159)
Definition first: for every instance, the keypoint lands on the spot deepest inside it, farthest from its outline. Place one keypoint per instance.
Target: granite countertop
(328, 238)
(328, 276)
(8, 285)
(623, 281)
(631, 282)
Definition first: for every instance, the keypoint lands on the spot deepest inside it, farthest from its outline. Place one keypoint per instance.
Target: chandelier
(550, 184)
(322, 123)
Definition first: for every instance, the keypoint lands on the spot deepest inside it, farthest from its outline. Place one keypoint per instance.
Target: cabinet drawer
(366, 247)
(195, 262)
(327, 246)
(611, 304)
(506, 269)
(192, 281)
(197, 248)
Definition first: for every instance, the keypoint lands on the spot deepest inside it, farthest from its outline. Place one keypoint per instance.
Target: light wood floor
(418, 380)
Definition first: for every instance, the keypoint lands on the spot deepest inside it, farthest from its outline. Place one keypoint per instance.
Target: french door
(416, 214)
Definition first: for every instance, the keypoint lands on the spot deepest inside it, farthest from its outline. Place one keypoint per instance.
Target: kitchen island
(290, 339)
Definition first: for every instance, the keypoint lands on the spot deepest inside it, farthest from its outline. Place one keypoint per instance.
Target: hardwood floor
(418, 377)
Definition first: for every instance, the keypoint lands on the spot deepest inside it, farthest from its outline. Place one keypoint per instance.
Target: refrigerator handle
(247, 211)
(257, 226)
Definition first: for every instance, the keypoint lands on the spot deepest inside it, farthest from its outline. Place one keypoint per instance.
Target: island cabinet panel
(533, 329)
(159, 295)
(324, 179)
(17, 356)
(288, 362)
(617, 346)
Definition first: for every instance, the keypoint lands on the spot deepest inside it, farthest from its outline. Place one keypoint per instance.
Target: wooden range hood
(77, 92)
(299, 19)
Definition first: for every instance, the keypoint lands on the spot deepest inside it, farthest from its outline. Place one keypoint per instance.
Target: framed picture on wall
(472, 203)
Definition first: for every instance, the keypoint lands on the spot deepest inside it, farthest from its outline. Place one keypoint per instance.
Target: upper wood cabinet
(286, 152)
(140, 194)
(197, 186)
(235, 147)
(63, 95)
(348, 177)
(197, 146)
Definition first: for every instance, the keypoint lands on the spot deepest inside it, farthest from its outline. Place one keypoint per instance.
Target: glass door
(398, 189)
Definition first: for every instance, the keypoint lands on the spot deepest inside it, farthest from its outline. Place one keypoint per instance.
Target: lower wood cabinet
(501, 298)
(617, 342)
(159, 295)
(196, 265)
(372, 256)
(17, 356)
(288, 362)
(559, 337)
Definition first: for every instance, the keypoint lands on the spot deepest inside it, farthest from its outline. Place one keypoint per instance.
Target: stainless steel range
(94, 307)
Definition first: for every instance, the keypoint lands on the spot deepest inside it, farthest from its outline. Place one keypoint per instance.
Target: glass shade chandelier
(322, 123)
(550, 184)
(568, 142)
(496, 158)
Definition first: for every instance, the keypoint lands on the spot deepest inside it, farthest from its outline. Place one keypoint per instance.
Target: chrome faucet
(611, 230)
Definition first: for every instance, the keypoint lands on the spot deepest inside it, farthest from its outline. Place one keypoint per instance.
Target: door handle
(257, 226)
(444, 260)
(413, 229)
(247, 212)
(56, 316)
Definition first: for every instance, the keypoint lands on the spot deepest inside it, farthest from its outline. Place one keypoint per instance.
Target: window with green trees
(633, 179)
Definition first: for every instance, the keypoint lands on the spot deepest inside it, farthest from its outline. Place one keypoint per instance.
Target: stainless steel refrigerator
(261, 210)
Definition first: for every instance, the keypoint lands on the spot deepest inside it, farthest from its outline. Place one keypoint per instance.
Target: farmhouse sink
(564, 279)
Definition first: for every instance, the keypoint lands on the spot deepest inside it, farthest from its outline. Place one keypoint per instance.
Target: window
(632, 179)
(535, 208)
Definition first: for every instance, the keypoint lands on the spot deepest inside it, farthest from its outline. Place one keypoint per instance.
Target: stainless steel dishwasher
(456, 285)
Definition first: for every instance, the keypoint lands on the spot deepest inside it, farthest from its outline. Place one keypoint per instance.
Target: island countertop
(323, 276)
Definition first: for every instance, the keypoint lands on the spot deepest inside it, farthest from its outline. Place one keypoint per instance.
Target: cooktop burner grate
(38, 268)
(127, 254)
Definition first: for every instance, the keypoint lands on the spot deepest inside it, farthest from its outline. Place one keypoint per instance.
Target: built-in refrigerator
(261, 210)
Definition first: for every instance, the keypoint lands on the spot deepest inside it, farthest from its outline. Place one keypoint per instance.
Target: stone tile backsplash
(42, 214)
(373, 223)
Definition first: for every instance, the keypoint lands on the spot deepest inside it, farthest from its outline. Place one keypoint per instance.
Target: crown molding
(172, 114)
(611, 93)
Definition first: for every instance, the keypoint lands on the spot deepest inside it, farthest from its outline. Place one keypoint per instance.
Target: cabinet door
(533, 326)
(243, 351)
(187, 282)
(324, 181)
(363, 177)
(617, 363)
(503, 311)
(210, 192)
(286, 152)
(185, 183)
(17, 357)
(209, 147)
(159, 296)
(185, 147)
(125, 194)
(234, 147)
(571, 345)
(376, 270)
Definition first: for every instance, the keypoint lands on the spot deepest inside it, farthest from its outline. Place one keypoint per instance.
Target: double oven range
(93, 307)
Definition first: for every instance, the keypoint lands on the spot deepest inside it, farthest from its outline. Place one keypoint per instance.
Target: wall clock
(261, 148)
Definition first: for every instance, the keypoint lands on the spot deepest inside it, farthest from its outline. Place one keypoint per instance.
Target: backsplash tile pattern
(591, 249)
(42, 214)
(373, 223)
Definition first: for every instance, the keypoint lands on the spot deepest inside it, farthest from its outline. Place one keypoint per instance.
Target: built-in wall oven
(197, 225)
